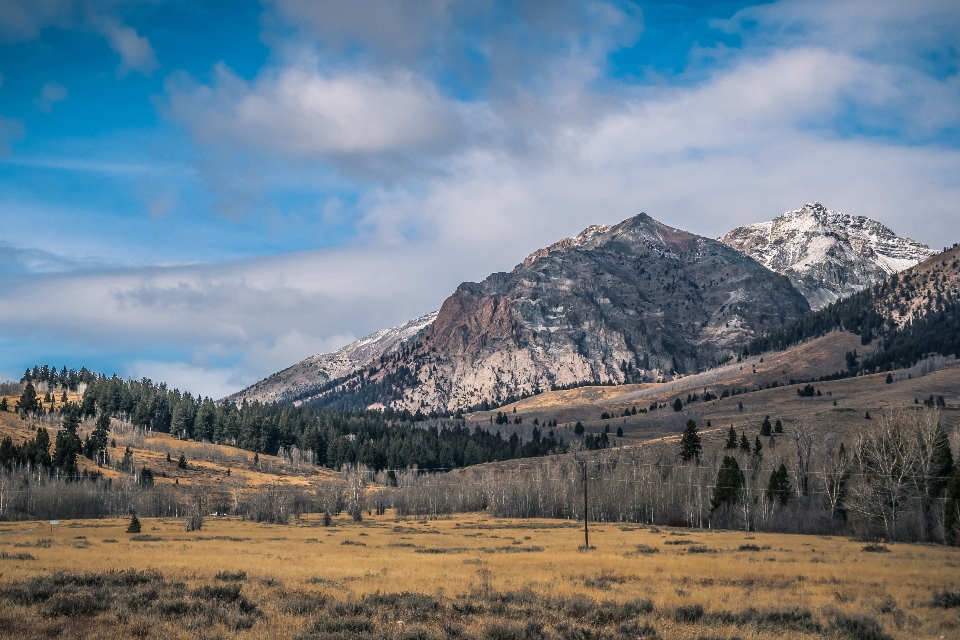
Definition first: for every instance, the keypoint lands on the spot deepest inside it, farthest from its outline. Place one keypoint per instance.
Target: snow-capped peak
(827, 254)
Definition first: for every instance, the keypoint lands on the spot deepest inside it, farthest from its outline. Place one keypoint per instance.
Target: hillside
(912, 314)
(639, 301)
(827, 255)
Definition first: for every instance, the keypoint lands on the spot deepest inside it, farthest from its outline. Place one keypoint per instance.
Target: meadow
(466, 576)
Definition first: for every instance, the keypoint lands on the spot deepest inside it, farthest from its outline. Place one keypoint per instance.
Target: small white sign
(53, 522)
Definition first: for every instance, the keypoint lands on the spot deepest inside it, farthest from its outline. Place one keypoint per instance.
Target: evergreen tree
(766, 428)
(28, 402)
(619, 432)
(731, 439)
(677, 404)
(182, 462)
(68, 442)
(730, 481)
(778, 489)
(690, 447)
(744, 443)
(96, 448)
(757, 447)
(578, 428)
(778, 426)
(134, 525)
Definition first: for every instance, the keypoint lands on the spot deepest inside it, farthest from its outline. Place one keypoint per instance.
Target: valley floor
(466, 576)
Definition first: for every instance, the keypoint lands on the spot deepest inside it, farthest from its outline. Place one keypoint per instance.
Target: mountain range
(635, 302)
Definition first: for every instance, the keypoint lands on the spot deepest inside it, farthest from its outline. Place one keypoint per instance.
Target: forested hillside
(912, 314)
(378, 440)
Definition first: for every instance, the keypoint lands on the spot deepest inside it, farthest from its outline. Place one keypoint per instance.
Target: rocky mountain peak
(827, 255)
(632, 302)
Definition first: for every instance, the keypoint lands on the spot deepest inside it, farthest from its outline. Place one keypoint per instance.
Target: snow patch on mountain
(301, 382)
(827, 255)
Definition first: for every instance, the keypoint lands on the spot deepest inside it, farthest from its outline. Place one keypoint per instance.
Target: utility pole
(586, 527)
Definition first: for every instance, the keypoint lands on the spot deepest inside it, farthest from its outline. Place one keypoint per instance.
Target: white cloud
(303, 113)
(212, 382)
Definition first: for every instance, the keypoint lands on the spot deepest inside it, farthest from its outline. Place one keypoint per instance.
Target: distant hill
(827, 255)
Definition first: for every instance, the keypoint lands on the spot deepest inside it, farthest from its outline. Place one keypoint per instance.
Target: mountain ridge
(827, 255)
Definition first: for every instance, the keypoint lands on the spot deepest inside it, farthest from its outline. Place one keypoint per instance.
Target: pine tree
(28, 402)
(730, 481)
(134, 526)
(778, 489)
(619, 432)
(678, 405)
(68, 443)
(182, 462)
(744, 443)
(731, 439)
(97, 444)
(757, 447)
(690, 447)
(578, 428)
(778, 426)
(766, 428)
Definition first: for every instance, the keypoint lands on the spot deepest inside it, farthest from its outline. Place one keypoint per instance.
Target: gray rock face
(827, 255)
(637, 301)
(305, 380)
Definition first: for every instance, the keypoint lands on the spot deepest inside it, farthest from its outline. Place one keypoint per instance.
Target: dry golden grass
(475, 558)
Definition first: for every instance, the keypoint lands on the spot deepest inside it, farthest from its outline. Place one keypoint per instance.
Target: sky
(206, 192)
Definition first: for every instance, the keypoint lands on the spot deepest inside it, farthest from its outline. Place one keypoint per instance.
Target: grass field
(467, 576)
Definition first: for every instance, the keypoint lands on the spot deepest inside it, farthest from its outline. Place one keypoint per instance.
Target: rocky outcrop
(827, 255)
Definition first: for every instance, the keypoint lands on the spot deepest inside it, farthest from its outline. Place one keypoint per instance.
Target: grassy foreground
(468, 576)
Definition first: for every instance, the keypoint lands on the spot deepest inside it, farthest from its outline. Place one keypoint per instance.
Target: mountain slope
(304, 380)
(827, 255)
(914, 313)
(637, 301)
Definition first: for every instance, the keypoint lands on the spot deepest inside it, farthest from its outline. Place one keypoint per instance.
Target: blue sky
(207, 192)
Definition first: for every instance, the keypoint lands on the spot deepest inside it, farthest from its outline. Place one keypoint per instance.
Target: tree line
(374, 439)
